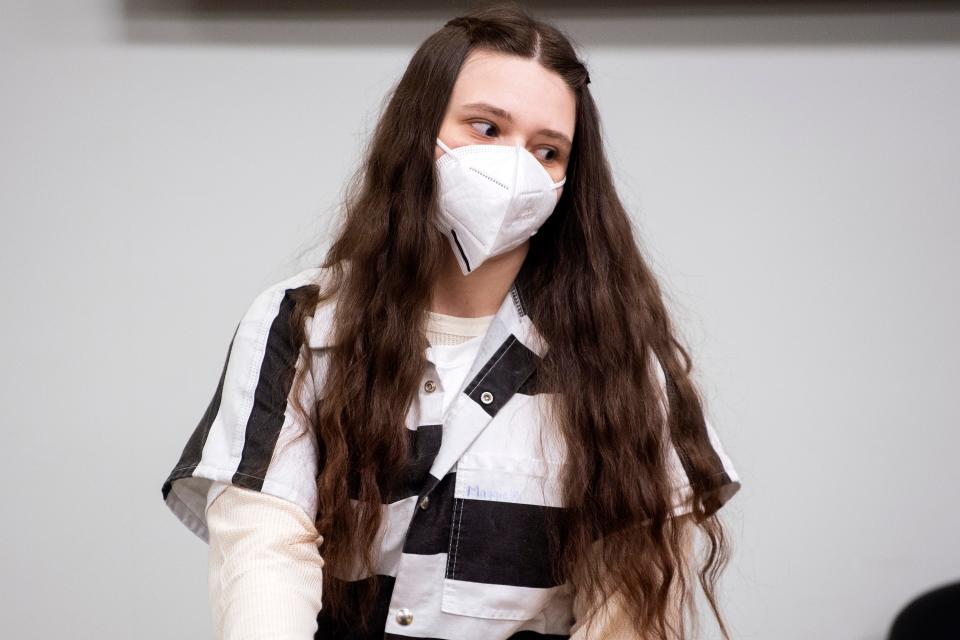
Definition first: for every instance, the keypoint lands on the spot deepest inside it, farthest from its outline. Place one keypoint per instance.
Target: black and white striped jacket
(464, 547)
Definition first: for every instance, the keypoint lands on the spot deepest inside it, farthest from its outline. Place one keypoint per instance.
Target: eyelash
(556, 152)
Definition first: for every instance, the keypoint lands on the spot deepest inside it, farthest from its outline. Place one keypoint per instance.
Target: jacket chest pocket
(500, 556)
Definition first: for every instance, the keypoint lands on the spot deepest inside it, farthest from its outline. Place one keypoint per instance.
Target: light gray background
(793, 172)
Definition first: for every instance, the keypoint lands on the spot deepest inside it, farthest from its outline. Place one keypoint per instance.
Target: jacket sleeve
(723, 482)
(251, 435)
(265, 568)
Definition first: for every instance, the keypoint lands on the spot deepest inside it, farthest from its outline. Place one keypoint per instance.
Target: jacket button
(404, 616)
(424, 502)
(429, 386)
(486, 397)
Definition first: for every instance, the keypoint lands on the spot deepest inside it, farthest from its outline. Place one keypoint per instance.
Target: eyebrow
(506, 115)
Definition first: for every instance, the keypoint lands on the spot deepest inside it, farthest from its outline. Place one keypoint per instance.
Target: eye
(481, 125)
(549, 150)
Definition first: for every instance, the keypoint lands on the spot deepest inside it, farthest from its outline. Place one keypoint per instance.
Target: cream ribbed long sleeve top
(265, 568)
(265, 571)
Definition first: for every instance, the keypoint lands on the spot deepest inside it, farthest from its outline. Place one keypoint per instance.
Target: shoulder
(286, 289)
(273, 305)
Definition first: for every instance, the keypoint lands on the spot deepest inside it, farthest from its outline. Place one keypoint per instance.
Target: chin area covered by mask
(492, 198)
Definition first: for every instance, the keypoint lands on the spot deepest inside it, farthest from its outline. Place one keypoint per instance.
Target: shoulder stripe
(270, 397)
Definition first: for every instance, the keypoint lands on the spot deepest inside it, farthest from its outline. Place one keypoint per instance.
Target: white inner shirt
(454, 342)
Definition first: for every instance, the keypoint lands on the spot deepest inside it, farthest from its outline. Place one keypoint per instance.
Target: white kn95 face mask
(492, 198)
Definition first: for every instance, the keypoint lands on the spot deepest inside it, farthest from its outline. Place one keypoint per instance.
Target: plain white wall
(794, 174)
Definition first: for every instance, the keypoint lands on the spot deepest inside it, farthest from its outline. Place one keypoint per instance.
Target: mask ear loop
(444, 147)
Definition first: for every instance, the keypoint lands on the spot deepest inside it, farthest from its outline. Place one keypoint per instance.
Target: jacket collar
(507, 357)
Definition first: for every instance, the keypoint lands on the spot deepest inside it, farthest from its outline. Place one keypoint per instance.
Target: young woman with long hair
(476, 407)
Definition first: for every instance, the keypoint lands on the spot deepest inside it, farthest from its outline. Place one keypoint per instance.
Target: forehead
(536, 96)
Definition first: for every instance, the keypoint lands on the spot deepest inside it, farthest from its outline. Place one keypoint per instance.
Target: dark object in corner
(934, 615)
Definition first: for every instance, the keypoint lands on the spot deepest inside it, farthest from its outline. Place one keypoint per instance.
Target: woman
(477, 403)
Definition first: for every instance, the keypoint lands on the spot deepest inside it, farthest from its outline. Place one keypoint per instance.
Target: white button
(429, 386)
(486, 397)
(404, 616)
(424, 502)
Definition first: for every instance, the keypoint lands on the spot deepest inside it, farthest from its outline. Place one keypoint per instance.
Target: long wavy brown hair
(591, 296)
